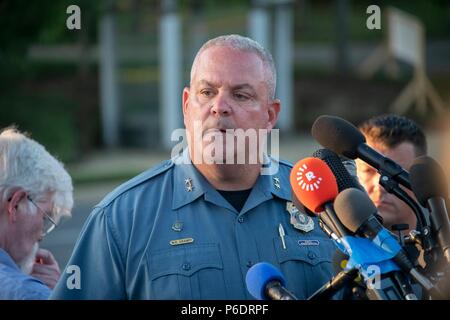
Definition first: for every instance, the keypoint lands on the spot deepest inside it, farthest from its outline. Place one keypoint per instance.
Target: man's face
(228, 91)
(28, 228)
(391, 208)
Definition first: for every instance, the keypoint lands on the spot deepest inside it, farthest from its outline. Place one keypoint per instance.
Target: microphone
(344, 169)
(429, 185)
(356, 212)
(345, 139)
(265, 282)
(314, 185)
(340, 281)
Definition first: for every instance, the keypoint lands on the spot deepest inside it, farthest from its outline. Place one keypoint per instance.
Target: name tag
(308, 242)
(181, 241)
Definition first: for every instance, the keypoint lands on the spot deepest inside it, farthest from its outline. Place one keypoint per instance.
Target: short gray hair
(27, 165)
(244, 44)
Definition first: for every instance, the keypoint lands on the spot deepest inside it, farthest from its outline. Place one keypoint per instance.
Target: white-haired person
(35, 192)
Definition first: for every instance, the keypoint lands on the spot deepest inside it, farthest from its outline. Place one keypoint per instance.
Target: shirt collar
(277, 178)
(268, 185)
(6, 259)
(190, 184)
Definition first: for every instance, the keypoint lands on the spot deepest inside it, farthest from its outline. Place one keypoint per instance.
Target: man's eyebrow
(243, 86)
(204, 82)
(207, 83)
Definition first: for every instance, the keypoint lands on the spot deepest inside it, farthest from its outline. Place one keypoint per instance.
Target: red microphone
(313, 183)
(314, 186)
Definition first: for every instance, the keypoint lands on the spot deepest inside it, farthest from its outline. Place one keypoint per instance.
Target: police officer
(191, 227)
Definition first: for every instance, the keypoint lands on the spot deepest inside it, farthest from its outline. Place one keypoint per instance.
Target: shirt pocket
(306, 263)
(187, 272)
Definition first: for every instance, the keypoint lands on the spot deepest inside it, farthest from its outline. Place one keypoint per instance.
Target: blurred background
(105, 98)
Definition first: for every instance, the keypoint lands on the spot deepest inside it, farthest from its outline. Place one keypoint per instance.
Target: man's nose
(378, 188)
(220, 106)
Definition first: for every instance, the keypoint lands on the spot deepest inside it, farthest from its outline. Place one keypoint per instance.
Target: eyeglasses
(49, 223)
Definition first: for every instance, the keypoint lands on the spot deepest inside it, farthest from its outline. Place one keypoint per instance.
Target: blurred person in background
(35, 192)
(401, 140)
(192, 229)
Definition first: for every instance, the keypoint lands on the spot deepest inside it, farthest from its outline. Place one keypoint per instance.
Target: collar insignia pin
(276, 182)
(188, 184)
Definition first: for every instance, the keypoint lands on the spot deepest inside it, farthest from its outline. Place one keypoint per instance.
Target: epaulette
(141, 178)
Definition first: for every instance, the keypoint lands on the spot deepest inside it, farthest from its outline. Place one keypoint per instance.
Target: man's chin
(389, 217)
(385, 207)
(26, 264)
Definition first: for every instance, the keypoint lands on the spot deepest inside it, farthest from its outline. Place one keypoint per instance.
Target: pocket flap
(310, 250)
(184, 260)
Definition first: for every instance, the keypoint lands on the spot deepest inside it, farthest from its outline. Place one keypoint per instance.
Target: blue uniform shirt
(168, 234)
(16, 285)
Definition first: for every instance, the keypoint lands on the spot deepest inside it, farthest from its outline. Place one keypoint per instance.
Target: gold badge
(299, 220)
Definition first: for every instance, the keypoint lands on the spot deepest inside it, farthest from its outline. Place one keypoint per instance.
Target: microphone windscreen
(343, 178)
(427, 179)
(300, 205)
(353, 207)
(313, 183)
(259, 275)
(337, 134)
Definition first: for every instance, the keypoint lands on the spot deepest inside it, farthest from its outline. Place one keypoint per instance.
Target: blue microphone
(265, 282)
(356, 212)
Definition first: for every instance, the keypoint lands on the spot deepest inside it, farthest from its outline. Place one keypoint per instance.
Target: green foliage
(47, 117)
(24, 22)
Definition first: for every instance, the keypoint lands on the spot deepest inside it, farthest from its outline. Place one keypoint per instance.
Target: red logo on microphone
(313, 183)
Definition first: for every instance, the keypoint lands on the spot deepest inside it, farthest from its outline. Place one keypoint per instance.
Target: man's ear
(13, 204)
(274, 111)
(186, 93)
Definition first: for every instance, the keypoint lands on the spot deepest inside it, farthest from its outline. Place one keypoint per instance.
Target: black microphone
(343, 280)
(430, 187)
(345, 139)
(337, 283)
(356, 212)
(344, 169)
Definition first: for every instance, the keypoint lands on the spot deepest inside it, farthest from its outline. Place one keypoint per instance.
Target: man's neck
(412, 224)
(230, 177)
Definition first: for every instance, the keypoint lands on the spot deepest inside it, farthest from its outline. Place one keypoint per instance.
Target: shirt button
(311, 255)
(241, 219)
(186, 266)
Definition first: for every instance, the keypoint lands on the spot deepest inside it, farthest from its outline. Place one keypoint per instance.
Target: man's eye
(206, 93)
(241, 96)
